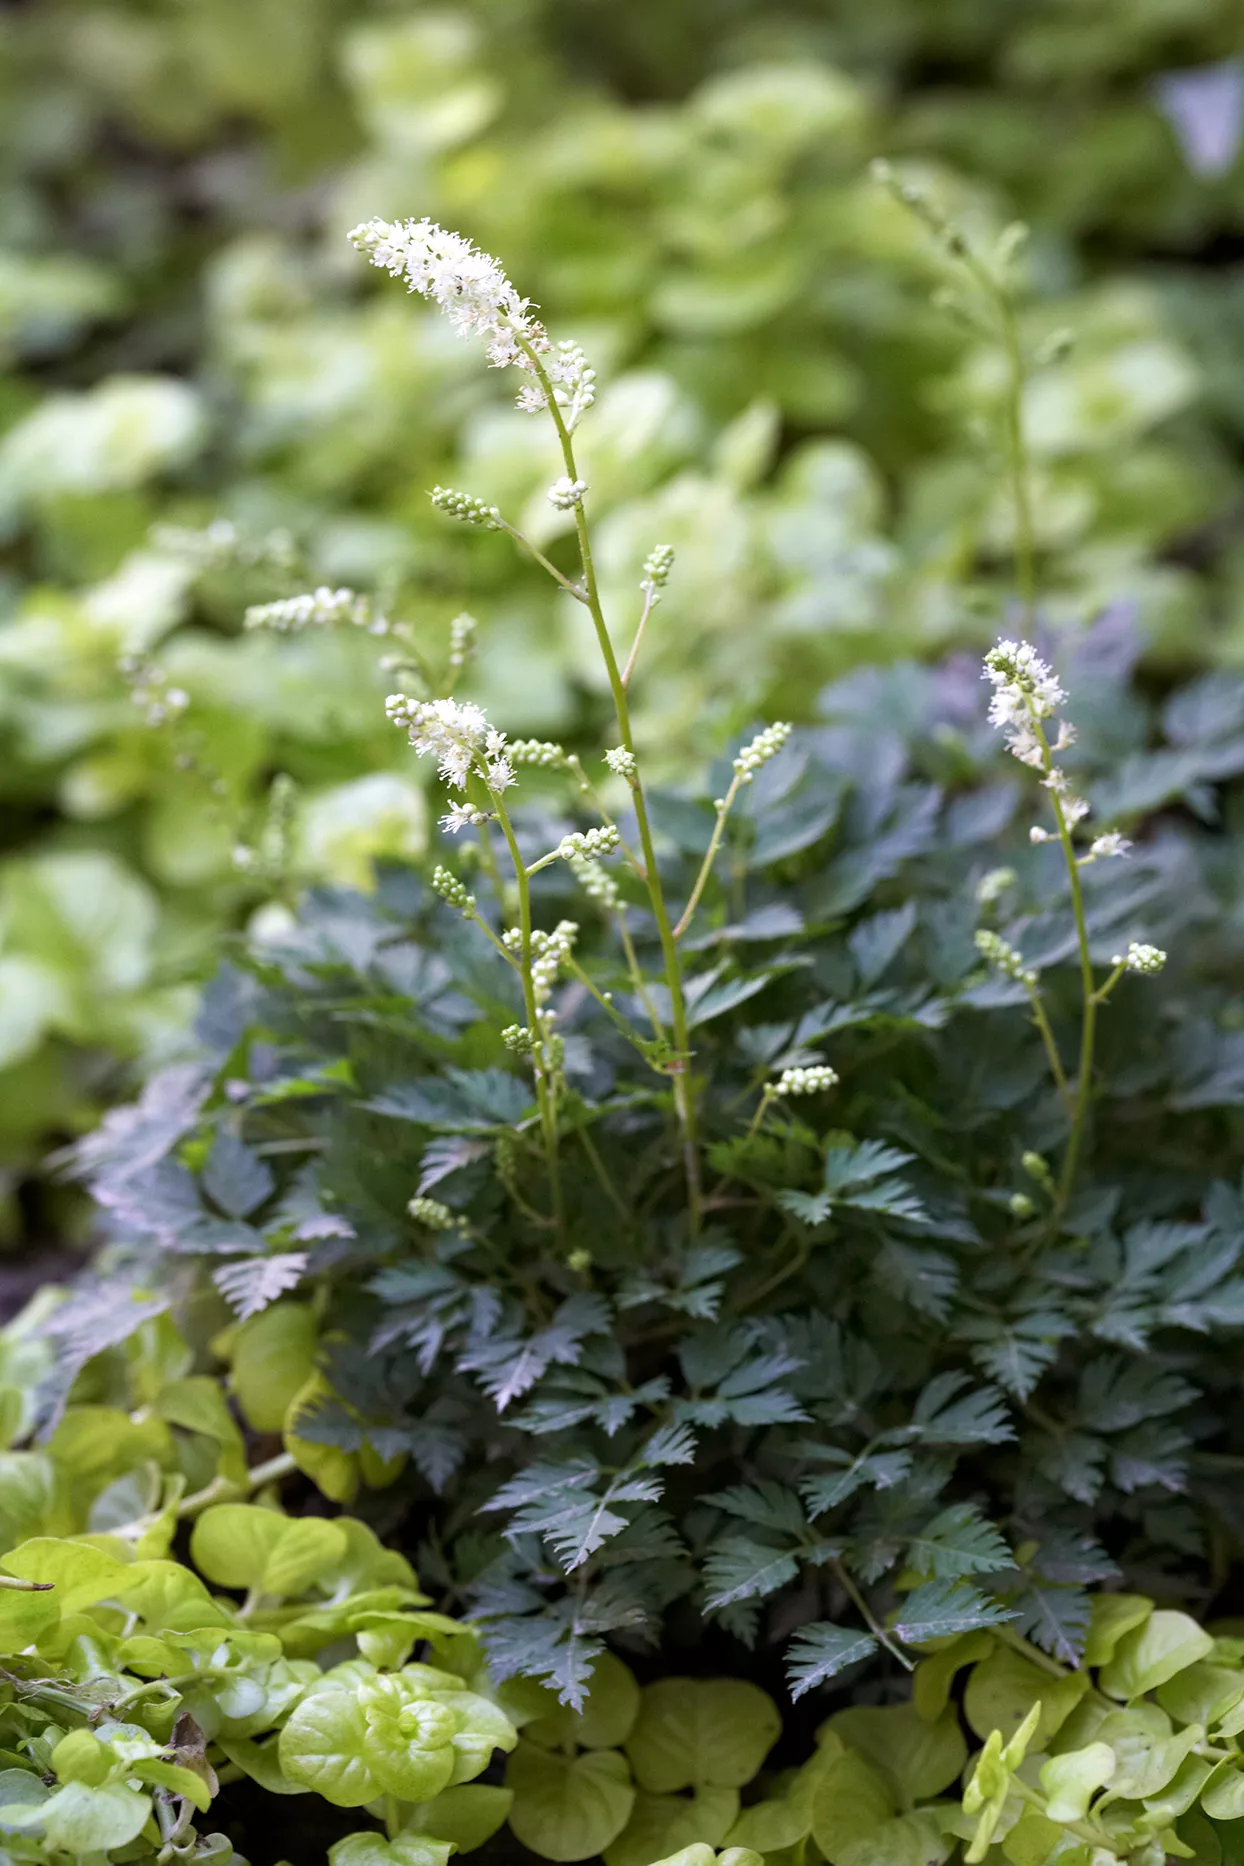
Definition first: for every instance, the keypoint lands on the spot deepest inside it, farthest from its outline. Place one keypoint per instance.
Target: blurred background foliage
(186, 337)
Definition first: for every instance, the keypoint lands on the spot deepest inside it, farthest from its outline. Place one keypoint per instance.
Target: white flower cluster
(994, 884)
(810, 1080)
(588, 842)
(536, 752)
(433, 1214)
(321, 608)
(150, 691)
(452, 891)
(621, 762)
(1112, 843)
(459, 737)
(597, 883)
(1024, 689)
(220, 546)
(470, 287)
(1141, 958)
(1026, 692)
(479, 301)
(463, 506)
(463, 634)
(993, 948)
(565, 493)
(550, 952)
(657, 566)
(764, 746)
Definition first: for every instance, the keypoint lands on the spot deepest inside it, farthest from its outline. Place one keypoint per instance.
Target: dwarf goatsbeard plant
(479, 763)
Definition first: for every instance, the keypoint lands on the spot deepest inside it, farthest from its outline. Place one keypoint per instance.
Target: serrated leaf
(820, 1651)
(940, 1609)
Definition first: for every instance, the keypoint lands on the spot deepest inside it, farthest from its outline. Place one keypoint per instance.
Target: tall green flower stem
(545, 1094)
(1019, 466)
(680, 1068)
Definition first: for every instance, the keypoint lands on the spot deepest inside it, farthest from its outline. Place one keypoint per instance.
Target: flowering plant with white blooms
(689, 1182)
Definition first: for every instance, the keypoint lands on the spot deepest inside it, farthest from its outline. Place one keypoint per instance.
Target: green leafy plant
(201, 412)
(878, 1350)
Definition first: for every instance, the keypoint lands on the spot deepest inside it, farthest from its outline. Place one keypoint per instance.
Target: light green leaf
(82, 1575)
(908, 1840)
(771, 1825)
(1112, 1616)
(324, 1746)
(1032, 1839)
(1223, 1800)
(1167, 1643)
(1145, 1761)
(81, 1757)
(661, 1822)
(1204, 1693)
(171, 1599)
(568, 1808)
(261, 1761)
(78, 1819)
(701, 1733)
(933, 1677)
(606, 1719)
(1004, 1687)
(851, 1801)
(242, 1545)
(1070, 1782)
(173, 1776)
(25, 1617)
(920, 1758)
(361, 1850)
(273, 1358)
(466, 1816)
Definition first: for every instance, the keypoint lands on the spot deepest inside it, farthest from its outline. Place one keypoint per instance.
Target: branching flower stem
(684, 1085)
(1091, 999)
(710, 855)
(650, 598)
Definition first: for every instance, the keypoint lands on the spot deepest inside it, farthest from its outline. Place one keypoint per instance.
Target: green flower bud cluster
(463, 506)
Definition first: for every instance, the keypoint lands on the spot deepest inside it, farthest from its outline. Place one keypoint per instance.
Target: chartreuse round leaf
(80, 1574)
(920, 1758)
(464, 1817)
(661, 1822)
(701, 1733)
(324, 1746)
(568, 1808)
(77, 1819)
(851, 1800)
(1166, 1643)
(1205, 1693)
(1071, 1781)
(406, 1849)
(606, 1719)
(409, 1739)
(81, 1757)
(771, 1826)
(1112, 1616)
(25, 1617)
(1223, 1800)
(242, 1545)
(1004, 1687)
(483, 1727)
(913, 1839)
(272, 1360)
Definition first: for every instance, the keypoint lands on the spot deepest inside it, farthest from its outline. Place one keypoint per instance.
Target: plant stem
(1016, 443)
(710, 856)
(220, 1490)
(629, 669)
(1088, 1027)
(1041, 1019)
(870, 1619)
(544, 1093)
(684, 1086)
(571, 589)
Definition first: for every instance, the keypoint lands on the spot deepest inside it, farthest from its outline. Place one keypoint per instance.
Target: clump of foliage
(794, 1202)
(132, 1695)
(998, 1754)
(200, 411)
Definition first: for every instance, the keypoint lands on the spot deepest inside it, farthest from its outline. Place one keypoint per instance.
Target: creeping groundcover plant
(766, 1247)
